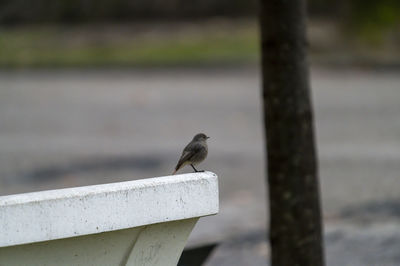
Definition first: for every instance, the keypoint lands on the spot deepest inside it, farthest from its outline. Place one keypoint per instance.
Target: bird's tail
(177, 167)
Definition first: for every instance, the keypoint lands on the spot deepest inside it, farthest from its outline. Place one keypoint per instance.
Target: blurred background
(103, 91)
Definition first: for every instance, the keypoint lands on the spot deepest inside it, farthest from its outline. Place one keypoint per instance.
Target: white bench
(141, 222)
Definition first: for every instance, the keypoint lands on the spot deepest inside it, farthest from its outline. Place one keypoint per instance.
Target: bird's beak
(208, 137)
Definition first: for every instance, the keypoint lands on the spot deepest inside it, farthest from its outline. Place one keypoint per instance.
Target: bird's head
(200, 137)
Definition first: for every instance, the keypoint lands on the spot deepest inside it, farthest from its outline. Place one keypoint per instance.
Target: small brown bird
(194, 153)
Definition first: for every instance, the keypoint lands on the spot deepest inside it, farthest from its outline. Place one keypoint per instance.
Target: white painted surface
(55, 214)
(161, 244)
(151, 245)
(109, 248)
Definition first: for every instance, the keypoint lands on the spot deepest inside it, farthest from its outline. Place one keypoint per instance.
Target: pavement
(63, 128)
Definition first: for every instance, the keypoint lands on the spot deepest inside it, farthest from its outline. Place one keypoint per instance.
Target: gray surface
(345, 245)
(69, 128)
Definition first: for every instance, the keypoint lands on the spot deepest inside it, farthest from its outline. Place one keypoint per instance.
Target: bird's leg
(193, 168)
(196, 169)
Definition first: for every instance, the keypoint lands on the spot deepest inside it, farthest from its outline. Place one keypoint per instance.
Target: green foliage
(55, 46)
(373, 20)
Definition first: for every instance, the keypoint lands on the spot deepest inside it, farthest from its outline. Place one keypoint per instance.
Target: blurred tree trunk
(295, 215)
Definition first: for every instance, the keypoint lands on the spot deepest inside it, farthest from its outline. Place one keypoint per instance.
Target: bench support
(157, 245)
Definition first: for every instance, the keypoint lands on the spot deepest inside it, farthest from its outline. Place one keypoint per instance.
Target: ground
(78, 127)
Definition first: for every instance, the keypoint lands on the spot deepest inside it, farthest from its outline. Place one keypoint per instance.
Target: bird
(194, 153)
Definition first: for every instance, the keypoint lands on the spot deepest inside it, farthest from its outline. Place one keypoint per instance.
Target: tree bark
(295, 214)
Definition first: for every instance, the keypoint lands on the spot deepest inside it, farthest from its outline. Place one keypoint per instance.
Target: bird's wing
(188, 152)
(193, 147)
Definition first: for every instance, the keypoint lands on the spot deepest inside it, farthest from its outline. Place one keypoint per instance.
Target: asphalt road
(71, 127)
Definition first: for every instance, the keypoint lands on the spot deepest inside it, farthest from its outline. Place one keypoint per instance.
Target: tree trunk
(295, 215)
